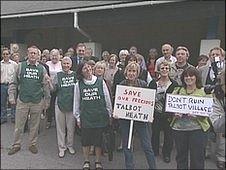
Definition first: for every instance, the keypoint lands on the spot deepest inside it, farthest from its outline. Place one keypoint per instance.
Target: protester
(54, 67)
(92, 109)
(80, 54)
(133, 51)
(8, 69)
(122, 57)
(111, 69)
(190, 131)
(131, 73)
(151, 62)
(167, 51)
(218, 121)
(177, 68)
(162, 119)
(202, 61)
(16, 57)
(210, 71)
(104, 57)
(64, 83)
(30, 100)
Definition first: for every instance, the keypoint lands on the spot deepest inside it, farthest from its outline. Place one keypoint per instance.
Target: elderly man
(8, 69)
(33, 98)
(167, 51)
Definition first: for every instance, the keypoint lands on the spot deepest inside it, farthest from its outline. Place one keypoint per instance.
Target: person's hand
(191, 115)
(79, 124)
(12, 102)
(115, 116)
(46, 105)
(178, 115)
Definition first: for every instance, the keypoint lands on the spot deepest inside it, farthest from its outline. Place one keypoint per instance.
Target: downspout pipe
(112, 6)
(76, 26)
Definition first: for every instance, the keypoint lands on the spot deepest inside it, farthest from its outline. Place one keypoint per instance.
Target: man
(33, 97)
(8, 69)
(133, 51)
(211, 74)
(177, 68)
(80, 53)
(211, 71)
(167, 51)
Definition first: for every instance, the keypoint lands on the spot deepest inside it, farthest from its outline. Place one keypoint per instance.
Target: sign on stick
(134, 103)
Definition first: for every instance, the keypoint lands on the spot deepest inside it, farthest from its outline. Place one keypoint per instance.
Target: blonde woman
(132, 71)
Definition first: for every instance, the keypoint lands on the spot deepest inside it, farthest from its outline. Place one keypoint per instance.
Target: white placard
(200, 106)
(207, 45)
(134, 103)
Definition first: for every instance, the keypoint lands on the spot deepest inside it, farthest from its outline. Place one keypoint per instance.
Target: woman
(144, 74)
(99, 69)
(153, 55)
(92, 109)
(161, 119)
(190, 132)
(111, 69)
(131, 73)
(120, 76)
(104, 57)
(16, 57)
(54, 67)
(65, 122)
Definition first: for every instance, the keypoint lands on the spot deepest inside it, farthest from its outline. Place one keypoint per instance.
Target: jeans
(4, 94)
(193, 141)
(143, 131)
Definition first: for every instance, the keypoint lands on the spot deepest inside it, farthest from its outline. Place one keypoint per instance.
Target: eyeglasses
(164, 68)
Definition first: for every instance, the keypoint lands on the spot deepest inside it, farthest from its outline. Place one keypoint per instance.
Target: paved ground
(47, 157)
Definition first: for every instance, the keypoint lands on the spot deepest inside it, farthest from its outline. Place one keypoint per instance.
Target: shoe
(220, 165)
(166, 159)
(48, 125)
(71, 150)
(61, 153)
(13, 150)
(33, 149)
(86, 165)
(98, 166)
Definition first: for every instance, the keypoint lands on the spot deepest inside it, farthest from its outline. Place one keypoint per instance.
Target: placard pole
(130, 133)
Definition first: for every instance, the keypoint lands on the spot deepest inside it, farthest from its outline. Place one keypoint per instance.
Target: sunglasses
(164, 68)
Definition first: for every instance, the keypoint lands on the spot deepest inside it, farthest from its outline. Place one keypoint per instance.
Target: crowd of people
(77, 90)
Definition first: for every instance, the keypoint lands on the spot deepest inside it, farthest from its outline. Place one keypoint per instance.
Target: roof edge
(90, 8)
